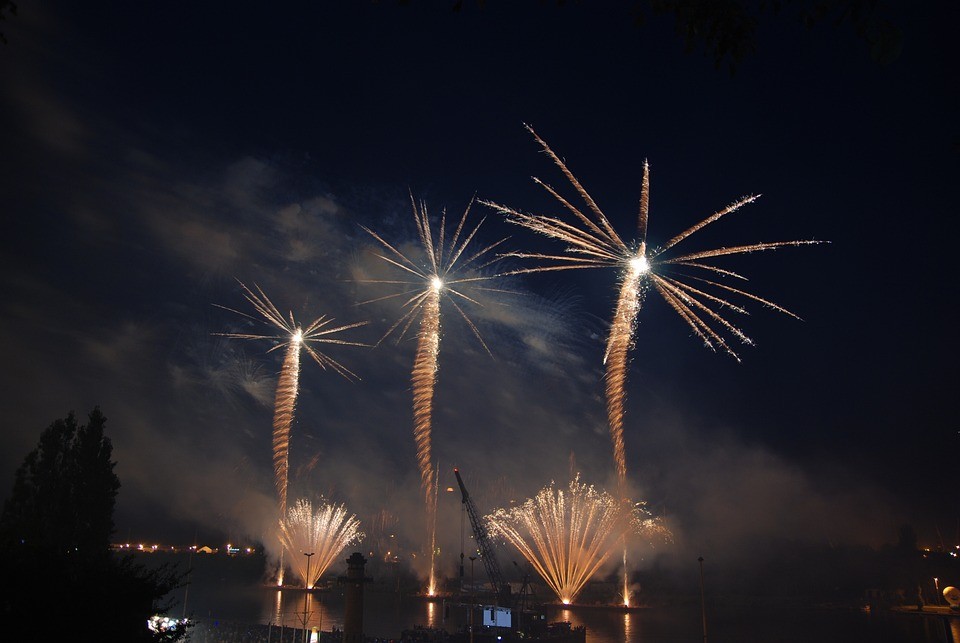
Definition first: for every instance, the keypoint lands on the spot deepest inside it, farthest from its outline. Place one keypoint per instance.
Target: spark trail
(592, 242)
(445, 271)
(324, 531)
(294, 338)
(566, 536)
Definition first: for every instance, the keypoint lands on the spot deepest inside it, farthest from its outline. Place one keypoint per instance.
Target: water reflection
(387, 614)
(289, 607)
(628, 624)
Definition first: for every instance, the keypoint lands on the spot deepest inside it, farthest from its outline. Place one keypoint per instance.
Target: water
(224, 595)
(388, 615)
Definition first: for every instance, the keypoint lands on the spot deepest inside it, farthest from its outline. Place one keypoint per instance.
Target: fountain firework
(325, 532)
(592, 242)
(444, 272)
(566, 535)
(294, 338)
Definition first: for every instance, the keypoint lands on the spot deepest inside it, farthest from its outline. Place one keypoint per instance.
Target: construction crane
(485, 547)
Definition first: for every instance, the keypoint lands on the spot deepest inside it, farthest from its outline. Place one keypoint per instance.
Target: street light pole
(306, 587)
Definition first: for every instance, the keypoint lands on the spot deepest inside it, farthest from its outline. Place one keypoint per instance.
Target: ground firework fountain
(567, 535)
(323, 531)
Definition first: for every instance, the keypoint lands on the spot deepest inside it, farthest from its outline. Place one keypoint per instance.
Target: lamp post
(936, 585)
(306, 587)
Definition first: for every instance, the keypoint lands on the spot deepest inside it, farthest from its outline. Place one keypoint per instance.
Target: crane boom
(484, 546)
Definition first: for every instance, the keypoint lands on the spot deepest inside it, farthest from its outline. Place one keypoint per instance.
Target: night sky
(154, 156)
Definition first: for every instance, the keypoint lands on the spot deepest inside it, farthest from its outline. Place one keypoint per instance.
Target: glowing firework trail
(566, 535)
(325, 531)
(592, 242)
(445, 272)
(424, 378)
(294, 338)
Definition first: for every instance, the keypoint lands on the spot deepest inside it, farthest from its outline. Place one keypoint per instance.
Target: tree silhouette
(6, 6)
(726, 29)
(55, 530)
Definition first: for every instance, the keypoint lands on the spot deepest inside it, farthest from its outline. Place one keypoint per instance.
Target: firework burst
(566, 535)
(293, 339)
(323, 531)
(592, 242)
(446, 270)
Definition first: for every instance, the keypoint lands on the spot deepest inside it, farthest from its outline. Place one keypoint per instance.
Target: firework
(447, 270)
(323, 532)
(293, 339)
(566, 535)
(592, 242)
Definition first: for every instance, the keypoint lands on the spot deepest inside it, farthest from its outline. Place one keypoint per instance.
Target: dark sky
(153, 156)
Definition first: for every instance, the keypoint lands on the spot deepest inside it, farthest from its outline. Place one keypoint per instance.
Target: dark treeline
(55, 537)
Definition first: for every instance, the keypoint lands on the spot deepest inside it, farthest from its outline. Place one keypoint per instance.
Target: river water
(386, 616)
(220, 596)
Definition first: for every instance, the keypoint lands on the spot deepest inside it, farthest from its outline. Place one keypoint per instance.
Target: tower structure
(353, 598)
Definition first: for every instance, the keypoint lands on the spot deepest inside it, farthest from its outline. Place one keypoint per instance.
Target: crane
(485, 547)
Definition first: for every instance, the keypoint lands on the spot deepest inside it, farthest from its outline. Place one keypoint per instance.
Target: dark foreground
(930, 625)
(215, 631)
